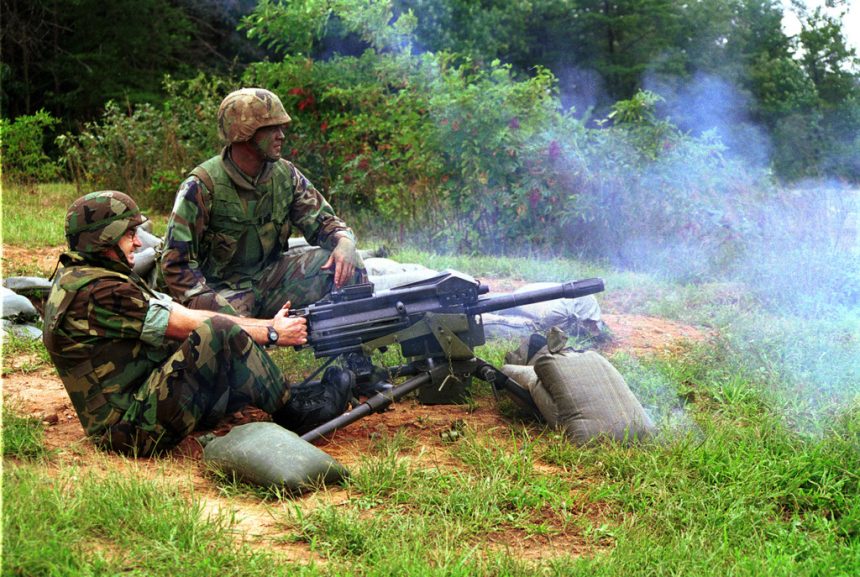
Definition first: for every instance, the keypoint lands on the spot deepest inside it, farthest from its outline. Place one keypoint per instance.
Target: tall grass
(34, 216)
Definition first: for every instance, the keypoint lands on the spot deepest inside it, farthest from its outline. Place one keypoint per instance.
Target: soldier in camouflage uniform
(141, 370)
(228, 233)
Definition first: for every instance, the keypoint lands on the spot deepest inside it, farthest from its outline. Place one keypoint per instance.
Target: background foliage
(22, 148)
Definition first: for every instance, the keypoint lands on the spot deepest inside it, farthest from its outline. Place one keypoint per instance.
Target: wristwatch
(273, 335)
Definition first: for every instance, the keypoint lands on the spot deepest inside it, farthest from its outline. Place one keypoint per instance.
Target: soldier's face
(270, 139)
(128, 243)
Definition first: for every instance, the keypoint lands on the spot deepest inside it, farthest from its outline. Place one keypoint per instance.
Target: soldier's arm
(314, 216)
(291, 330)
(120, 310)
(185, 228)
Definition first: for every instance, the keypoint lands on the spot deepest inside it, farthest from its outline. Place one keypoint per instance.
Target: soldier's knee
(211, 301)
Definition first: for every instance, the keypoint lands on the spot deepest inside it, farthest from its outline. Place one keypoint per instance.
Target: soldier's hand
(292, 331)
(344, 258)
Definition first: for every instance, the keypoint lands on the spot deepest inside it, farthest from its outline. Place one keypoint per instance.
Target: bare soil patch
(40, 393)
(44, 258)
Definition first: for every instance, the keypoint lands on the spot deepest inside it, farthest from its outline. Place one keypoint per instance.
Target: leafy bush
(490, 131)
(448, 150)
(147, 151)
(22, 148)
(357, 130)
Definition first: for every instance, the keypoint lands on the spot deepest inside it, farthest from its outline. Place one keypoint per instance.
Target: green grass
(76, 523)
(743, 498)
(23, 436)
(34, 216)
(755, 471)
(31, 350)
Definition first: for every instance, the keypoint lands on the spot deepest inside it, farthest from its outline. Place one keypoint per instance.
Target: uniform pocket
(221, 252)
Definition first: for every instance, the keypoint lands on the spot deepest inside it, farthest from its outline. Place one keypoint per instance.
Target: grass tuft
(23, 436)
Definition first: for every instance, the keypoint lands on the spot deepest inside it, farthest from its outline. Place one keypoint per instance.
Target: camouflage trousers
(216, 371)
(297, 277)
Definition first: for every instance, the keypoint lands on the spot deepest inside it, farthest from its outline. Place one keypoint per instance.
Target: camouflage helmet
(98, 220)
(245, 111)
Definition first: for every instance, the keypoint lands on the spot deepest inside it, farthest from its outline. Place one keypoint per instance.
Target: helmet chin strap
(121, 256)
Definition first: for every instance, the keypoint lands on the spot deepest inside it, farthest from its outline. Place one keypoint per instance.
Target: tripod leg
(373, 404)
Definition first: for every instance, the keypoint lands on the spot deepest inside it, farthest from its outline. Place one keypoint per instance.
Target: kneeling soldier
(141, 370)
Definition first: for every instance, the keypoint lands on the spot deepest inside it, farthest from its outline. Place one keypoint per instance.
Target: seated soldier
(227, 239)
(141, 370)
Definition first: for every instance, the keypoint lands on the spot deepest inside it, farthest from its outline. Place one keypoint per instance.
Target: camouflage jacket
(104, 335)
(225, 229)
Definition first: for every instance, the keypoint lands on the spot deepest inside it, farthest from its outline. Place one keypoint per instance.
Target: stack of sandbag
(579, 392)
(299, 245)
(147, 254)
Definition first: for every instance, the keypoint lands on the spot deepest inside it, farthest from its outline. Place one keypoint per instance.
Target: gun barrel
(568, 290)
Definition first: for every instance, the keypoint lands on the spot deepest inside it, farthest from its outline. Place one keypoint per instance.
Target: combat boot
(317, 402)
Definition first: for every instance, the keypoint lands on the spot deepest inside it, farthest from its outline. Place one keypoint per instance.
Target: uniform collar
(74, 258)
(239, 178)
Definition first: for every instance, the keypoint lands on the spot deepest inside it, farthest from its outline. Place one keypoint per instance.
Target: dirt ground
(40, 393)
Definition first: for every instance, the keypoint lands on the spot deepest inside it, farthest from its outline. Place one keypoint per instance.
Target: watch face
(273, 335)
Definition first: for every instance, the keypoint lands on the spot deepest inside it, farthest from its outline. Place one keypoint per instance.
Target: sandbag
(589, 398)
(498, 326)
(17, 307)
(144, 260)
(579, 317)
(266, 454)
(148, 240)
(28, 285)
(379, 266)
(526, 377)
(536, 345)
(387, 281)
(557, 312)
(28, 332)
(299, 245)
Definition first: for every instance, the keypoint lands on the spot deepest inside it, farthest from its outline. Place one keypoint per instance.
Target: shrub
(147, 151)
(22, 147)
(492, 133)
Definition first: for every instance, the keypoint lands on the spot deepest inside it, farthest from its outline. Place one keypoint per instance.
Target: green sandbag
(526, 377)
(269, 455)
(589, 398)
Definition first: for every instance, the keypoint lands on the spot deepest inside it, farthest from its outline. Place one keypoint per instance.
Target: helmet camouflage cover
(98, 220)
(245, 111)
